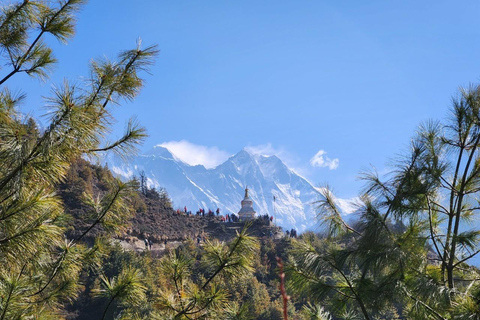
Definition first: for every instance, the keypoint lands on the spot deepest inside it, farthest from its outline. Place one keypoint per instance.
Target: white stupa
(246, 212)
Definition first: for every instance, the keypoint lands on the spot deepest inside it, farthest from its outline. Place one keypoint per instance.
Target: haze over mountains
(223, 187)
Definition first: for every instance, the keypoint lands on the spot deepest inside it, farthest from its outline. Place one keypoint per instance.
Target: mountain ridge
(223, 186)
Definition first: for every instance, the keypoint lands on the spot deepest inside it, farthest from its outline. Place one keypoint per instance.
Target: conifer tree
(185, 298)
(143, 183)
(412, 243)
(39, 266)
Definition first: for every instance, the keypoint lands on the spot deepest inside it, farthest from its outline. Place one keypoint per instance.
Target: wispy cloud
(348, 206)
(320, 160)
(268, 150)
(194, 154)
(291, 160)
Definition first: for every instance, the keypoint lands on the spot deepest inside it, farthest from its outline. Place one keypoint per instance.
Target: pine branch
(432, 233)
(58, 264)
(224, 263)
(426, 306)
(453, 245)
(116, 195)
(467, 258)
(357, 297)
(44, 27)
(13, 14)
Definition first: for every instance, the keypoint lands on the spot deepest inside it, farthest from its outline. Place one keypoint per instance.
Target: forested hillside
(155, 219)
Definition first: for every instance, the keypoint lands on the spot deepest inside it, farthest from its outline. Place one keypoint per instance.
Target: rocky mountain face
(224, 186)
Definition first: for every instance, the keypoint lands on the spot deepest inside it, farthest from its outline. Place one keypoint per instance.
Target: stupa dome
(246, 212)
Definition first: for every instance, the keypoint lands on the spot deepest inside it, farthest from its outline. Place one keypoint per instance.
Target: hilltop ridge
(267, 177)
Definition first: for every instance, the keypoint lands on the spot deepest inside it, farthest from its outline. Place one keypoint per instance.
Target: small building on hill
(246, 212)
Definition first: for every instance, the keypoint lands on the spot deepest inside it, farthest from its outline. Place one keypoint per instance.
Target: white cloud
(194, 154)
(319, 160)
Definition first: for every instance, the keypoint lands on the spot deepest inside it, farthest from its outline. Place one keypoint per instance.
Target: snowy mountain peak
(242, 155)
(223, 187)
(160, 151)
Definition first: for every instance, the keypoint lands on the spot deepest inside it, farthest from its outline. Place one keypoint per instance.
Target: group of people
(210, 213)
(292, 233)
(200, 212)
(185, 211)
(149, 243)
(226, 218)
(266, 217)
(230, 218)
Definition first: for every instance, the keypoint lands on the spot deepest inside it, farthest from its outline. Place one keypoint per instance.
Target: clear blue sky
(351, 78)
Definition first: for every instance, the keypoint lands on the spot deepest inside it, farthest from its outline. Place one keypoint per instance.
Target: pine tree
(184, 297)
(143, 183)
(40, 267)
(412, 243)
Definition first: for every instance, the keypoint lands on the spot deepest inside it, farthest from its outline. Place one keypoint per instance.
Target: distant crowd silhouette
(229, 217)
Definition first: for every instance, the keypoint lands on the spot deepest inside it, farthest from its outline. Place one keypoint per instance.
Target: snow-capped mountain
(223, 187)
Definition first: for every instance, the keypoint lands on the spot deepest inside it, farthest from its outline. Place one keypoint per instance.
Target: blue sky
(348, 81)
